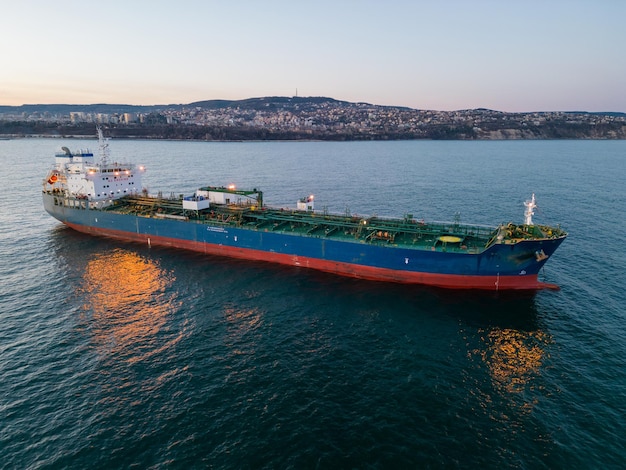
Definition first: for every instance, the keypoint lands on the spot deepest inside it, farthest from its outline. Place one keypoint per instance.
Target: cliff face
(554, 132)
(506, 134)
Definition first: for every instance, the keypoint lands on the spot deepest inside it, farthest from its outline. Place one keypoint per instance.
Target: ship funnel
(67, 151)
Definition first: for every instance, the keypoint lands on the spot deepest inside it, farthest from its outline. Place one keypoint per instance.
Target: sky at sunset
(549, 55)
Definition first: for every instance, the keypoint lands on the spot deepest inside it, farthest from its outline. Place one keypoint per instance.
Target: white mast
(104, 146)
(528, 213)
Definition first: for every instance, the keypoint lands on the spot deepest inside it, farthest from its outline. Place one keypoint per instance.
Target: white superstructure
(78, 175)
(306, 203)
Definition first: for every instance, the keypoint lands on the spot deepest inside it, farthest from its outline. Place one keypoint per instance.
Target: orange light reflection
(128, 300)
(514, 357)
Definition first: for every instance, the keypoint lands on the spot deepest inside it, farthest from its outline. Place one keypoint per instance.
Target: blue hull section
(359, 259)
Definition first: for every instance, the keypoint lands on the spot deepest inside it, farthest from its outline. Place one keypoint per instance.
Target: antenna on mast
(103, 144)
(528, 213)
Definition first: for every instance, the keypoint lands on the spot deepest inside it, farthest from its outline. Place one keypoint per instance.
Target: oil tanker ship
(105, 198)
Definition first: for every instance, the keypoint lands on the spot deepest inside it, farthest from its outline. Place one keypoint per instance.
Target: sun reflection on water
(514, 357)
(128, 303)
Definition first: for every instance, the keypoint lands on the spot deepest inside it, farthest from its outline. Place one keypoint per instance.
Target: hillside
(299, 118)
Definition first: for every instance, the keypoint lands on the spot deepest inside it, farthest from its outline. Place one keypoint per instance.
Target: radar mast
(103, 144)
(528, 213)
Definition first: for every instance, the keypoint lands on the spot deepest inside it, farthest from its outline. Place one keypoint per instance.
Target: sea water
(116, 354)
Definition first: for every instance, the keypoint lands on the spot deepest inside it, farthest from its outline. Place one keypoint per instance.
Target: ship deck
(404, 232)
